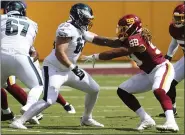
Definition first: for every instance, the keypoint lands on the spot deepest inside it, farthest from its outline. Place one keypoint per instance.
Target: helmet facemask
(178, 19)
(124, 32)
(85, 19)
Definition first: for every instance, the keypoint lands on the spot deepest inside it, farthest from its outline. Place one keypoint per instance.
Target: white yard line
(38, 131)
(102, 88)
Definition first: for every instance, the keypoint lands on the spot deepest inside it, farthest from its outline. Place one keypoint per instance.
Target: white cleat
(33, 120)
(17, 124)
(147, 123)
(90, 122)
(40, 116)
(69, 108)
(168, 126)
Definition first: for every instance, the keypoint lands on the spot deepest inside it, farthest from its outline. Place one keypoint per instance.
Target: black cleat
(163, 114)
(9, 116)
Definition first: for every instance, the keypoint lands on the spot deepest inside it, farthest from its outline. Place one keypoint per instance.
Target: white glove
(88, 36)
(91, 58)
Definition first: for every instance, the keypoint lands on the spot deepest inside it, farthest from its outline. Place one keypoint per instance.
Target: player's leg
(137, 84)
(89, 86)
(52, 83)
(162, 77)
(17, 92)
(68, 107)
(179, 76)
(29, 75)
(6, 113)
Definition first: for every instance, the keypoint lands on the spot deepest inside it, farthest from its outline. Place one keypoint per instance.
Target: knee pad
(121, 92)
(174, 83)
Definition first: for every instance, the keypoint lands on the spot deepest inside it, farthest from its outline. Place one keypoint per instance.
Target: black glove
(168, 57)
(78, 72)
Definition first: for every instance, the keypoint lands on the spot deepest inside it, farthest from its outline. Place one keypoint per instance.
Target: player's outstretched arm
(102, 41)
(111, 54)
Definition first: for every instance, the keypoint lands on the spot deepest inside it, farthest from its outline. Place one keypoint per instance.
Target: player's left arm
(111, 54)
(172, 49)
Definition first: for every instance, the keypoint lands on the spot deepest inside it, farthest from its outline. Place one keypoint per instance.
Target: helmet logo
(130, 21)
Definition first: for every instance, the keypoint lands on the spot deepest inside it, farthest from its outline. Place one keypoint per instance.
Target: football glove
(90, 58)
(78, 72)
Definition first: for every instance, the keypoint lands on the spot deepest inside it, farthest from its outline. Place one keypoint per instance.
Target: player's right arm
(172, 49)
(61, 45)
(102, 41)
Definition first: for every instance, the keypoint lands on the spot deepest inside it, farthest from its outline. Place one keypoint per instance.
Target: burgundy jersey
(148, 59)
(178, 34)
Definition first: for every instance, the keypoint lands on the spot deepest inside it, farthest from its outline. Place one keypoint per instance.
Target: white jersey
(75, 45)
(17, 34)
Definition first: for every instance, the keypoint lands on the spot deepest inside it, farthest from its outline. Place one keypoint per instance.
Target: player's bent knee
(174, 83)
(50, 95)
(96, 88)
(123, 94)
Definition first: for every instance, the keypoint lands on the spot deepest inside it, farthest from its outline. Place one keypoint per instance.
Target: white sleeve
(64, 30)
(172, 47)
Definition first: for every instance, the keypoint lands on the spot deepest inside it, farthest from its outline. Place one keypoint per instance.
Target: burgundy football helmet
(178, 16)
(128, 25)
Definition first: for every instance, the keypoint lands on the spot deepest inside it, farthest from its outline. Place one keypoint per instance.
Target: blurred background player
(177, 31)
(59, 68)
(158, 72)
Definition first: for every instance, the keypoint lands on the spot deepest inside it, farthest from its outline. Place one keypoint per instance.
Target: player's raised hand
(90, 58)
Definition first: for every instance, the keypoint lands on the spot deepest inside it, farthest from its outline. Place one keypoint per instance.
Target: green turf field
(109, 110)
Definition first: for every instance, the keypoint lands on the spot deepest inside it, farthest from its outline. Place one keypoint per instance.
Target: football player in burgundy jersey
(177, 32)
(158, 72)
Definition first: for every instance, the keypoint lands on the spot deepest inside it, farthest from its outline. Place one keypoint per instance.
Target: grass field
(109, 110)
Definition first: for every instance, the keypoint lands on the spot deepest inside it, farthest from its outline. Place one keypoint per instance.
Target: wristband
(89, 36)
(72, 66)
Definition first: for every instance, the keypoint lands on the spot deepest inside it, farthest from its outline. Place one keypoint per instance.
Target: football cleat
(33, 120)
(40, 116)
(90, 122)
(69, 108)
(9, 116)
(168, 126)
(174, 112)
(146, 123)
(17, 124)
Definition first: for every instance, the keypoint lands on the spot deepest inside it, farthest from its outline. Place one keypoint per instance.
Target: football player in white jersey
(59, 68)
(18, 33)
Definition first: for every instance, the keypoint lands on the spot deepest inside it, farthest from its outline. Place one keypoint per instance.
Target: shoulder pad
(34, 24)
(65, 30)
